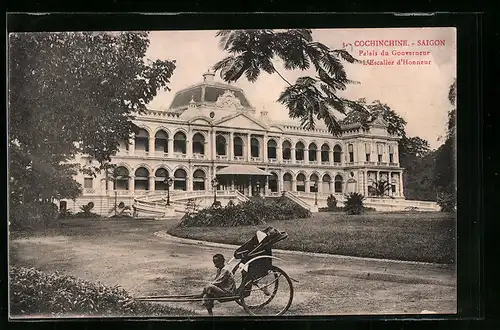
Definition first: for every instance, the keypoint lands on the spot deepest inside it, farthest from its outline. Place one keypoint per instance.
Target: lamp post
(315, 193)
(116, 194)
(169, 182)
(257, 185)
(215, 184)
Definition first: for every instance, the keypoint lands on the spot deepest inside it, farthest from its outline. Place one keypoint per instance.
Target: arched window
(271, 149)
(287, 150)
(141, 179)
(161, 141)
(287, 182)
(180, 182)
(301, 182)
(180, 143)
(299, 151)
(312, 152)
(220, 148)
(273, 182)
(326, 183)
(199, 180)
(325, 153)
(313, 180)
(238, 147)
(121, 177)
(142, 140)
(161, 175)
(255, 146)
(337, 154)
(198, 144)
(339, 183)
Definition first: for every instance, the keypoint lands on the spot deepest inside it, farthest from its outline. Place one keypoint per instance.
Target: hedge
(253, 212)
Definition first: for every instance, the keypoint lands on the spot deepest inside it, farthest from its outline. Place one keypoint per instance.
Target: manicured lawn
(425, 236)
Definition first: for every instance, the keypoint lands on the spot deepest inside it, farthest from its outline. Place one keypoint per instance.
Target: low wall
(381, 204)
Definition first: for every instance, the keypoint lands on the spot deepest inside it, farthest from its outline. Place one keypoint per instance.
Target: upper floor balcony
(247, 148)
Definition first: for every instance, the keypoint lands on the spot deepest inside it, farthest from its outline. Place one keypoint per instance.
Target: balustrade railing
(199, 156)
(179, 155)
(297, 200)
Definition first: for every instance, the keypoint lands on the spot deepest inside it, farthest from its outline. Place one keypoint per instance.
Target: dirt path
(146, 264)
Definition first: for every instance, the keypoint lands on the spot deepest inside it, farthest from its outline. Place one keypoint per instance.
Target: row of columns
(399, 184)
(230, 149)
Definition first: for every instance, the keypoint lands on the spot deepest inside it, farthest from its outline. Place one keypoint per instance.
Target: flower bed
(253, 212)
(33, 292)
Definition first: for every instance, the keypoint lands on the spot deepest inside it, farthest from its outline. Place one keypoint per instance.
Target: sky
(418, 93)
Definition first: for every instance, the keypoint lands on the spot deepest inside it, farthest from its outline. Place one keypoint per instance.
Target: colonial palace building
(211, 130)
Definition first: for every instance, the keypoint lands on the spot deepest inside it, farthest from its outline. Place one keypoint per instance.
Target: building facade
(212, 131)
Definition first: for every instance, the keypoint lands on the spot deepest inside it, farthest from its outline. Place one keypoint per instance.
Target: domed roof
(206, 92)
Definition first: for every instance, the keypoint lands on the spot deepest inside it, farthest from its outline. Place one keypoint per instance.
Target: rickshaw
(258, 280)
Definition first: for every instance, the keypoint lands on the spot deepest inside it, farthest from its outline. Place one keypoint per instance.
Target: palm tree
(381, 188)
(309, 98)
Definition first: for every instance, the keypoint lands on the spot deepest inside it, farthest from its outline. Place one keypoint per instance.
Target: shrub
(327, 209)
(448, 202)
(331, 202)
(121, 210)
(354, 203)
(65, 214)
(33, 216)
(86, 211)
(36, 292)
(250, 213)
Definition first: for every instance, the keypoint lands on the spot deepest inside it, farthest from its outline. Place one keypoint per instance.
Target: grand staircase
(156, 204)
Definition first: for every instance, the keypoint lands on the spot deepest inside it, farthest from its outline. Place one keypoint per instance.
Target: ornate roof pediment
(242, 121)
(228, 100)
(379, 121)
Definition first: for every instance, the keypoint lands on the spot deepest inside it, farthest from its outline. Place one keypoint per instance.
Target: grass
(410, 236)
(94, 227)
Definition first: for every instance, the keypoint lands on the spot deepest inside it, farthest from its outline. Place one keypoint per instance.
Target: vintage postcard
(232, 173)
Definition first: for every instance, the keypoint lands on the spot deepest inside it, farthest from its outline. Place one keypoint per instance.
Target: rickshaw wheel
(251, 309)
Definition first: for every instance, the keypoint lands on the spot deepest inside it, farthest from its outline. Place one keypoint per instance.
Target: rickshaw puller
(222, 286)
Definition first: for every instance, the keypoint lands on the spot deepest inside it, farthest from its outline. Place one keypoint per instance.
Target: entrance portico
(247, 179)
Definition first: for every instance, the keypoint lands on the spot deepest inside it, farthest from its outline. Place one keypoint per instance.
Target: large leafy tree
(308, 98)
(445, 167)
(72, 93)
